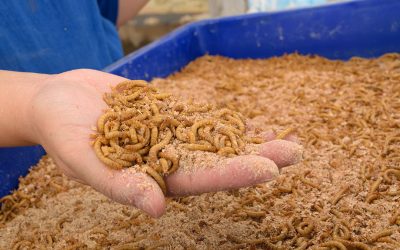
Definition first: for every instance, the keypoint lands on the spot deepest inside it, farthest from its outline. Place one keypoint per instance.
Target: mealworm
(354, 244)
(162, 96)
(180, 135)
(61, 222)
(156, 148)
(158, 178)
(133, 135)
(200, 147)
(195, 127)
(255, 140)
(130, 84)
(282, 235)
(305, 228)
(254, 214)
(307, 182)
(284, 133)
(174, 159)
(340, 194)
(226, 151)
(341, 232)
(105, 160)
(388, 172)
(153, 136)
(227, 131)
(103, 119)
(154, 109)
(334, 243)
(20, 244)
(381, 234)
(164, 164)
(395, 217)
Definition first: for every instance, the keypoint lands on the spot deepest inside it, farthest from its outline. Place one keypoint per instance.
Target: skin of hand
(60, 113)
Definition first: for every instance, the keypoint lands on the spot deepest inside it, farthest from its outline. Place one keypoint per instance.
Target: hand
(67, 106)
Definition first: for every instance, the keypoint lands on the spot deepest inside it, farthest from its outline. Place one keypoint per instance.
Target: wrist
(17, 90)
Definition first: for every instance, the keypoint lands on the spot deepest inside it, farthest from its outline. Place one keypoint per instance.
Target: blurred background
(160, 17)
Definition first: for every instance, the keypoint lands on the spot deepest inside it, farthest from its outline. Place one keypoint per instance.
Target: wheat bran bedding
(344, 195)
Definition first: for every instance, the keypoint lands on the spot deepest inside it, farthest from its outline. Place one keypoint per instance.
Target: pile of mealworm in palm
(141, 123)
(345, 194)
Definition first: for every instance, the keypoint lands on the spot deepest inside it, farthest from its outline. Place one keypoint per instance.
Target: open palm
(67, 107)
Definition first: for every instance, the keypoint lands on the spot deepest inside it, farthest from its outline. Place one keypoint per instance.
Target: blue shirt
(52, 36)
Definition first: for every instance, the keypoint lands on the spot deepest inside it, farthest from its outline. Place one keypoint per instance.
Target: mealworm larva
(157, 245)
(141, 144)
(235, 121)
(394, 172)
(103, 119)
(99, 231)
(133, 135)
(130, 84)
(226, 131)
(195, 127)
(381, 234)
(254, 214)
(105, 160)
(153, 136)
(174, 159)
(156, 148)
(134, 156)
(354, 244)
(164, 165)
(207, 134)
(172, 123)
(335, 244)
(340, 194)
(201, 147)
(305, 227)
(200, 109)
(217, 141)
(20, 244)
(162, 96)
(388, 240)
(394, 218)
(114, 134)
(61, 222)
(336, 213)
(158, 178)
(341, 232)
(181, 135)
(226, 151)
(371, 194)
(282, 235)
(255, 140)
(284, 133)
(154, 109)
(240, 143)
(307, 182)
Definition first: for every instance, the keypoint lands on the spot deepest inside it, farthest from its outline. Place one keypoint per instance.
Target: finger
(232, 173)
(270, 135)
(126, 186)
(283, 153)
(131, 187)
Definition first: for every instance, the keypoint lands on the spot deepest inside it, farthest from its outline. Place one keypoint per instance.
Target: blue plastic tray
(366, 28)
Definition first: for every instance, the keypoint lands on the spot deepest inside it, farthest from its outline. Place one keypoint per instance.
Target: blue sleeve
(109, 9)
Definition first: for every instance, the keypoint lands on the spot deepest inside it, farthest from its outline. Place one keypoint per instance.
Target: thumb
(127, 186)
(131, 187)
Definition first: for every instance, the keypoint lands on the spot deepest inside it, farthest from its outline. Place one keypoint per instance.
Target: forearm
(16, 92)
(127, 9)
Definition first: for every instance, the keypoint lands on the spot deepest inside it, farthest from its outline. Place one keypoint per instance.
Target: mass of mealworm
(344, 195)
(141, 122)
